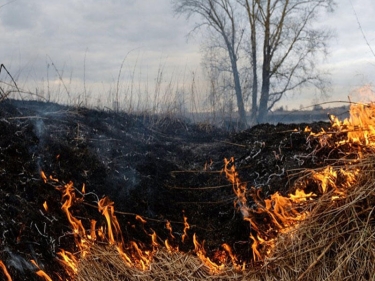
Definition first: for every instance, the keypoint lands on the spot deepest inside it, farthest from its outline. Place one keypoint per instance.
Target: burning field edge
(335, 242)
(321, 227)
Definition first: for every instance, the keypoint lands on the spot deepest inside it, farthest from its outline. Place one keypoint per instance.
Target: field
(173, 198)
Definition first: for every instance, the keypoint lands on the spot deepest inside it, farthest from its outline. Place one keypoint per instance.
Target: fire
(136, 257)
(282, 213)
(106, 207)
(5, 271)
(300, 196)
(139, 218)
(186, 227)
(279, 213)
(92, 230)
(169, 247)
(154, 239)
(239, 188)
(43, 176)
(201, 253)
(131, 253)
(69, 260)
(45, 206)
(169, 227)
(359, 128)
(268, 217)
(233, 257)
(40, 272)
(326, 178)
(79, 231)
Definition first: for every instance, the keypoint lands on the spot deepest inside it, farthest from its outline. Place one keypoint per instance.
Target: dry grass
(104, 263)
(335, 242)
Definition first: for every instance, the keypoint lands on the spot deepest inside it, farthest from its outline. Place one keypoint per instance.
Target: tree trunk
(237, 84)
(252, 16)
(265, 94)
(238, 90)
(263, 103)
(254, 94)
(266, 69)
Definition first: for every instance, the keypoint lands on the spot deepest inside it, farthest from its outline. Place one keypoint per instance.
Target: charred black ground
(160, 168)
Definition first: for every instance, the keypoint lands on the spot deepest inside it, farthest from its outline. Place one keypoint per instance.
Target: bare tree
(221, 17)
(290, 45)
(282, 31)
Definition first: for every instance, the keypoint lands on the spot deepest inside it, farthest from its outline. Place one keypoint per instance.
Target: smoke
(18, 262)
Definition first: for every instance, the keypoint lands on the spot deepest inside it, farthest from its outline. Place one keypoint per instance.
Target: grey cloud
(20, 15)
(109, 29)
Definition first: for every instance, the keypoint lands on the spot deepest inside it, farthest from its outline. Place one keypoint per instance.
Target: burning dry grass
(104, 263)
(335, 242)
(325, 234)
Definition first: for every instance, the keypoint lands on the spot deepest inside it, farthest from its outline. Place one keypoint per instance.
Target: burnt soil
(158, 167)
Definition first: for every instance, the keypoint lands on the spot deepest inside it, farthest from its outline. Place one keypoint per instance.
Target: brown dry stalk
(315, 262)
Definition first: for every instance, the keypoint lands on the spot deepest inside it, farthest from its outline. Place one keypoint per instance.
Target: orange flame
(233, 257)
(300, 196)
(201, 253)
(44, 275)
(326, 178)
(92, 230)
(239, 188)
(45, 206)
(139, 218)
(136, 256)
(359, 127)
(101, 233)
(69, 260)
(81, 239)
(140, 259)
(280, 212)
(108, 211)
(169, 227)
(154, 239)
(279, 209)
(40, 272)
(169, 247)
(5, 271)
(78, 229)
(186, 227)
(43, 176)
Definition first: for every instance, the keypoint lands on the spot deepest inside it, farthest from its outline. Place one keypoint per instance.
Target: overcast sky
(98, 35)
